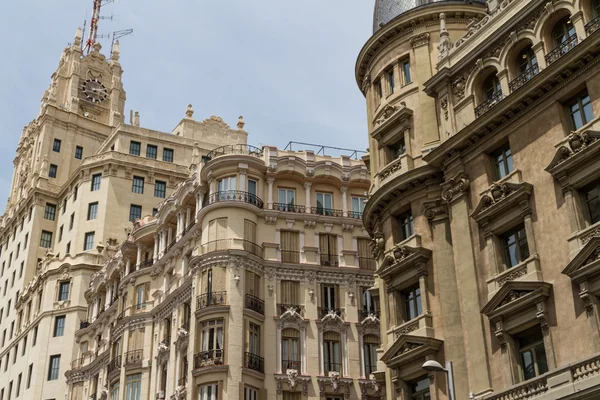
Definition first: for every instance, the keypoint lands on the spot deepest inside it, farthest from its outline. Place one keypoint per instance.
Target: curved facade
(482, 198)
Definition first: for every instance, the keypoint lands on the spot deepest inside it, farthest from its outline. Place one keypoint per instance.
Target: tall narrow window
(591, 197)
(160, 189)
(89, 241)
(50, 211)
(135, 148)
(532, 353)
(212, 341)
(133, 389)
(226, 185)
(331, 352)
(491, 87)
(515, 246)
(96, 180)
(135, 212)
(286, 199)
(503, 162)
(63, 292)
(56, 145)
(254, 339)
(368, 304)
(53, 171)
(378, 91)
(92, 210)
(29, 373)
(390, 80)
(328, 249)
(19, 384)
(137, 185)
(75, 190)
(168, 155)
(252, 187)
(358, 206)
(54, 367)
(151, 151)
(208, 392)
(580, 110)
(59, 325)
(404, 222)
(329, 300)
(290, 247)
(370, 345)
(46, 239)
(324, 204)
(290, 350)
(78, 152)
(419, 389)
(406, 72)
(412, 302)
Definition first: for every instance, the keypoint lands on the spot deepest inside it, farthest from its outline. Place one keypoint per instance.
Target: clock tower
(88, 85)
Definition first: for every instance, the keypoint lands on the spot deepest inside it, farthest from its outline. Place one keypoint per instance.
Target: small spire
(136, 118)
(116, 51)
(97, 47)
(189, 112)
(241, 123)
(78, 38)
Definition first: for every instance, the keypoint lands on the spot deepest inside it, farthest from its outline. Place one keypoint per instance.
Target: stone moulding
(291, 378)
(337, 384)
(408, 348)
(578, 150)
(501, 198)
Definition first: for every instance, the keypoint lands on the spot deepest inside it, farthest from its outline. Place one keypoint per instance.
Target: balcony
(290, 364)
(489, 103)
(355, 214)
(525, 77)
(293, 208)
(231, 149)
(254, 362)
(255, 304)
(133, 357)
(207, 358)
(217, 245)
(182, 382)
(365, 313)
(283, 308)
(234, 195)
(592, 26)
(329, 212)
(323, 311)
(114, 364)
(84, 324)
(367, 263)
(145, 264)
(329, 260)
(291, 257)
(212, 299)
(253, 248)
(561, 49)
(170, 245)
(332, 367)
(78, 363)
(188, 228)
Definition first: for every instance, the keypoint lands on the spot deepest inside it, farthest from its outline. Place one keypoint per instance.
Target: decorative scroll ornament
(458, 184)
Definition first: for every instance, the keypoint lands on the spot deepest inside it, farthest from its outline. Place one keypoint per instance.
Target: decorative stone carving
(366, 83)
(378, 243)
(421, 39)
(453, 186)
(435, 208)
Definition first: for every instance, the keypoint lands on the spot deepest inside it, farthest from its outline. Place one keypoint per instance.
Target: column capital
(435, 210)
(454, 187)
(307, 184)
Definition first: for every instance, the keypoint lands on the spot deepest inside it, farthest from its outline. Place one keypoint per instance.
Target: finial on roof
(78, 38)
(136, 118)
(189, 112)
(241, 123)
(116, 51)
(97, 47)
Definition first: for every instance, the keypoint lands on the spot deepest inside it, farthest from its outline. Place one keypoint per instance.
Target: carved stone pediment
(408, 348)
(403, 262)
(391, 121)
(501, 199)
(580, 148)
(514, 297)
(586, 263)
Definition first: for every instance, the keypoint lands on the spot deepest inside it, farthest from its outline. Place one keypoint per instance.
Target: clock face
(95, 91)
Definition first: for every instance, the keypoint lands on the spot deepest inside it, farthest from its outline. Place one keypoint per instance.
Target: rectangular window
(252, 186)
(78, 152)
(89, 241)
(328, 249)
(10, 385)
(114, 392)
(52, 171)
(286, 199)
(56, 146)
(397, 149)
(54, 367)
(96, 179)
(370, 345)
(515, 246)
(26, 240)
(63, 291)
(137, 185)
(151, 151)
(160, 189)
(68, 248)
(46, 239)
(208, 392)
(135, 212)
(358, 206)
(50, 211)
(329, 300)
(254, 339)
(135, 148)
(92, 211)
(390, 80)
(250, 393)
(406, 72)
(21, 269)
(15, 353)
(59, 326)
(64, 207)
(19, 385)
(331, 352)
(212, 338)
(154, 212)
(71, 221)
(378, 91)
(290, 247)
(324, 204)
(419, 389)
(591, 197)
(412, 302)
(532, 353)
(405, 225)
(580, 110)
(24, 346)
(503, 162)
(75, 190)
(29, 373)
(168, 155)
(35, 333)
(227, 184)
(18, 250)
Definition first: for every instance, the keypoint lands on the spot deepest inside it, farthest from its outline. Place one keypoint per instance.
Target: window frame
(96, 181)
(78, 152)
(92, 209)
(46, 238)
(578, 100)
(54, 370)
(133, 207)
(60, 322)
(502, 157)
(168, 155)
(88, 235)
(405, 225)
(137, 184)
(149, 153)
(56, 145)
(135, 148)
(519, 241)
(53, 171)
(157, 192)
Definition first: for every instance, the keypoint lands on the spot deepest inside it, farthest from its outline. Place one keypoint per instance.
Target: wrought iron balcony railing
(561, 49)
(189, 227)
(234, 149)
(209, 357)
(134, 357)
(211, 299)
(323, 311)
(253, 248)
(234, 195)
(367, 263)
(255, 304)
(329, 260)
(489, 103)
(355, 214)
(294, 208)
(525, 77)
(330, 212)
(114, 364)
(290, 364)
(217, 245)
(146, 264)
(254, 362)
(592, 26)
(289, 256)
(78, 363)
(84, 324)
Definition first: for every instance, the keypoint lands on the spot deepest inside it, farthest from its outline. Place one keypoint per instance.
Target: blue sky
(286, 66)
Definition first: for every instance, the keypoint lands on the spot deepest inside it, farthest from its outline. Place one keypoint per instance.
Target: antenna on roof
(93, 35)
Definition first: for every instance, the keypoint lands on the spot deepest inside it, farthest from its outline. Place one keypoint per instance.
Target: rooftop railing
(234, 195)
(234, 149)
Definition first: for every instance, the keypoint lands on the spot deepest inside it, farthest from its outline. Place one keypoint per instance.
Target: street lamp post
(432, 365)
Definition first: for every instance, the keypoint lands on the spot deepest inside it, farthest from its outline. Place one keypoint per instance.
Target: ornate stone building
(484, 206)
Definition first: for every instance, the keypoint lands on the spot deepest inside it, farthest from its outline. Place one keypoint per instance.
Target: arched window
(370, 345)
(563, 31)
(290, 350)
(526, 61)
(491, 86)
(332, 359)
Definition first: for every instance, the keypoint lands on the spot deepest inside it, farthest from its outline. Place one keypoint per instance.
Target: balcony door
(329, 297)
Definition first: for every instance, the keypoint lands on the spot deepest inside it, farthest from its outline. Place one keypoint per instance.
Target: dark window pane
(528, 365)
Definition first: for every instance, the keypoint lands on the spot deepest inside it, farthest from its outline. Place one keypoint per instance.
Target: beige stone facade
(483, 206)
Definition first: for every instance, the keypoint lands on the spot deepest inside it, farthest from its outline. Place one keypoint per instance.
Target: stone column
(188, 217)
(503, 78)
(454, 193)
(127, 266)
(139, 255)
(538, 49)
(270, 193)
(577, 20)
(443, 267)
(169, 235)
(278, 349)
(344, 191)
(307, 203)
(156, 245)
(243, 181)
